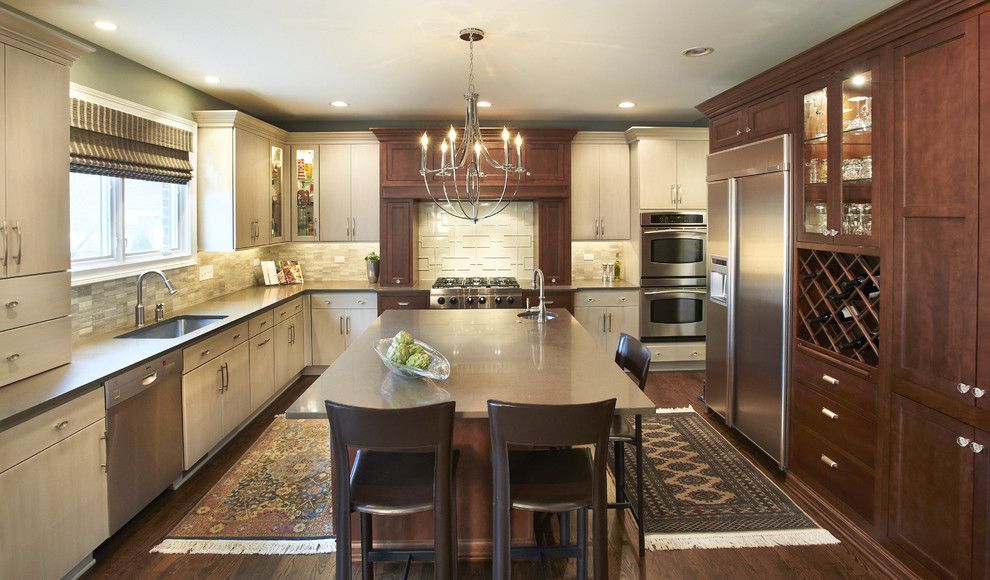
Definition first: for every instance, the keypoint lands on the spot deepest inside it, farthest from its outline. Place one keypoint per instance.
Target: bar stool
(543, 472)
(634, 358)
(404, 464)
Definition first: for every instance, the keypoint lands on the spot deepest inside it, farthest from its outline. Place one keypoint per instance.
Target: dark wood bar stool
(404, 464)
(633, 358)
(536, 468)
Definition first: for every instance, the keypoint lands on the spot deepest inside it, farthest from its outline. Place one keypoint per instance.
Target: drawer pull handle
(963, 388)
(962, 441)
(830, 379)
(830, 414)
(403, 303)
(104, 462)
(976, 447)
(150, 379)
(205, 353)
(13, 304)
(360, 301)
(13, 357)
(828, 461)
(236, 336)
(264, 342)
(61, 425)
(262, 323)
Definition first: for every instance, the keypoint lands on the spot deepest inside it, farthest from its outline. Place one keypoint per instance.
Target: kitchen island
(493, 355)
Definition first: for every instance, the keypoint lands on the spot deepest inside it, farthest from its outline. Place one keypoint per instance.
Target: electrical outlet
(338, 259)
(256, 262)
(205, 272)
(589, 257)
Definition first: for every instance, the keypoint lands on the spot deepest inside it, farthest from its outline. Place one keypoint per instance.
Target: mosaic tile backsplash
(603, 252)
(501, 245)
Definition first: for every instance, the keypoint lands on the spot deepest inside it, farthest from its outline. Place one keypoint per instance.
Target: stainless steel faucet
(541, 308)
(139, 309)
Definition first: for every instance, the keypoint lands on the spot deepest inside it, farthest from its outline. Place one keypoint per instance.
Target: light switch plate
(589, 257)
(256, 262)
(338, 259)
(205, 272)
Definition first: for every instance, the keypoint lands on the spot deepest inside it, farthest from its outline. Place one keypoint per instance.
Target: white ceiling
(402, 59)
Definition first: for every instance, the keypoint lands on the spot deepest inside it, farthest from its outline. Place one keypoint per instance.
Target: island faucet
(541, 308)
(139, 309)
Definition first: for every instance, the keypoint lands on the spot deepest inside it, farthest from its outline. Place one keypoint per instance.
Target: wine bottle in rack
(820, 319)
(811, 275)
(848, 313)
(854, 283)
(871, 289)
(852, 344)
(840, 296)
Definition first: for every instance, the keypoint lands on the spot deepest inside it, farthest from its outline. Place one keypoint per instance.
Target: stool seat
(621, 430)
(393, 482)
(551, 480)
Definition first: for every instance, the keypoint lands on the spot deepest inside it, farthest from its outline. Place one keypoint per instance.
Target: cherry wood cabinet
(726, 130)
(753, 123)
(405, 301)
(398, 242)
(553, 243)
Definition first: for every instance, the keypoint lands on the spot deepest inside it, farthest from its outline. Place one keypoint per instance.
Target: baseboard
(847, 531)
(81, 568)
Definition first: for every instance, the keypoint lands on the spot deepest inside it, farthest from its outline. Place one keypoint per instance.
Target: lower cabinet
(607, 314)
(290, 350)
(262, 362)
(410, 301)
(53, 510)
(939, 477)
(339, 318)
(216, 398)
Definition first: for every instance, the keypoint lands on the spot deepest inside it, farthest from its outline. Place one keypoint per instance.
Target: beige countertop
(598, 284)
(493, 355)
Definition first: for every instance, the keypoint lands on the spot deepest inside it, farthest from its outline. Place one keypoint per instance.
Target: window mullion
(120, 251)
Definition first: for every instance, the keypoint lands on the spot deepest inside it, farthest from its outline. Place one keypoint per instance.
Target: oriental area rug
(700, 492)
(274, 500)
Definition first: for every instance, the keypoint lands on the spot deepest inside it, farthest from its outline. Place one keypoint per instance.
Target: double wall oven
(673, 275)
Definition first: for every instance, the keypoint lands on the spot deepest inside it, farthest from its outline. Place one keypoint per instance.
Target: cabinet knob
(830, 379)
(61, 425)
(738, 132)
(976, 447)
(828, 461)
(236, 336)
(978, 392)
(327, 301)
(12, 304)
(205, 352)
(13, 357)
(962, 441)
(748, 129)
(963, 388)
(553, 280)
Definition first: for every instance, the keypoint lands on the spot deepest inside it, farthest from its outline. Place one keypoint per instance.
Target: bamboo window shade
(105, 141)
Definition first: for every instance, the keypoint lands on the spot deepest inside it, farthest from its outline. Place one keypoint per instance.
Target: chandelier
(462, 158)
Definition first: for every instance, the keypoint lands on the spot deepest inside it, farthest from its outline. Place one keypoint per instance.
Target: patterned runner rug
(275, 500)
(701, 492)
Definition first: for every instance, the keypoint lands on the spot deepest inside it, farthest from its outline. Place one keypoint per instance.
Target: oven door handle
(699, 231)
(656, 292)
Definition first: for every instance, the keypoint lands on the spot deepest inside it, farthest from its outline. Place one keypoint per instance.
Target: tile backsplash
(602, 252)
(501, 245)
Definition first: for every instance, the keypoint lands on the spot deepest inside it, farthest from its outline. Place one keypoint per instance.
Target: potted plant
(372, 260)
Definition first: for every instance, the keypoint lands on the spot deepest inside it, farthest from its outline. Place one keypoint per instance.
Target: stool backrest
(634, 358)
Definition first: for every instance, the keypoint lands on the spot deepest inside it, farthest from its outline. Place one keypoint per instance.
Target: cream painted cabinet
(600, 198)
(235, 406)
(53, 511)
(339, 318)
(329, 340)
(236, 164)
(290, 349)
(607, 314)
(349, 191)
(262, 359)
(669, 167)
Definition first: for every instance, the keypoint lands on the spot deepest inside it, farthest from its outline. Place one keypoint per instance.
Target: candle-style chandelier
(461, 158)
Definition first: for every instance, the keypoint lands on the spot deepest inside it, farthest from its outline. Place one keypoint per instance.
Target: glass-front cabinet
(837, 192)
(305, 204)
(277, 192)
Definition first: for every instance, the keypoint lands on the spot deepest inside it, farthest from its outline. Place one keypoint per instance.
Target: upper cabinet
(747, 124)
(600, 187)
(668, 167)
(240, 205)
(837, 152)
(336, 179)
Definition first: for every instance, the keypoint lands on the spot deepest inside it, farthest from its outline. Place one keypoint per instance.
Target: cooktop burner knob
(510, 299)
(441, 300)
(498, 300)
(482, 300)
(453, 299)
(470, 300)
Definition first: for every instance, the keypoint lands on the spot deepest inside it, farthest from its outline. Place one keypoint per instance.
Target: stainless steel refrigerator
(749, 263)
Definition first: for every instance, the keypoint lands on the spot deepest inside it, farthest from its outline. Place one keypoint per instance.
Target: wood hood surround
(547, 157)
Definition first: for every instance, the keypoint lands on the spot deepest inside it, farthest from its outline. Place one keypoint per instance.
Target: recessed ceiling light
(212, 80)
(698, 51)
(627, 105)
(105, 25)
(338, 104)
(484, 104)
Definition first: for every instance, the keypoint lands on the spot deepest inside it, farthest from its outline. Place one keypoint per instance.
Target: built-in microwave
(674, 248)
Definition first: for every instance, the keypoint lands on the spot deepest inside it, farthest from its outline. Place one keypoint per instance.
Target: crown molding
(634, 134)
(227, 119)
(602, 137)
(40, 39)
(331, 137)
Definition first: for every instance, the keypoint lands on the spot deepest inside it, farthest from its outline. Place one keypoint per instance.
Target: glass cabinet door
(856, 158)
(304, 207)
(276, 193)
(815, 224)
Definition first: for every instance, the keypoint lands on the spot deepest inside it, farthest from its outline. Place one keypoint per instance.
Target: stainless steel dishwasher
(144, 435)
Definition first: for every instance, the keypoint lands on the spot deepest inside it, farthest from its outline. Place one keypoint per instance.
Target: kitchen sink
(174, 327)
(534, 314)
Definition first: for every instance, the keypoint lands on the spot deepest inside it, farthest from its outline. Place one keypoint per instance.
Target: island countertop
(493, 355)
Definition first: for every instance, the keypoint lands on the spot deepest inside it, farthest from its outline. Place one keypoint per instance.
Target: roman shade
(105, 141)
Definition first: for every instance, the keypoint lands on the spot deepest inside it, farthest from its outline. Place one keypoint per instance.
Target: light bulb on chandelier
(462, 195)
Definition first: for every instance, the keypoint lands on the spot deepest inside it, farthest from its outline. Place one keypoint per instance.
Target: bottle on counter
(618, 266)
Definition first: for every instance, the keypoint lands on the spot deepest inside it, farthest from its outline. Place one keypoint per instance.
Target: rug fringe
(760, 539)
(266, 547)
(688, 409)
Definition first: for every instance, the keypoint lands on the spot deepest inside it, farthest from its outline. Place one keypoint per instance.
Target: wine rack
(838, 303)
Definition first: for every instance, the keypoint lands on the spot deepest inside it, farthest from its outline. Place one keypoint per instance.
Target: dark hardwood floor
(126, 554)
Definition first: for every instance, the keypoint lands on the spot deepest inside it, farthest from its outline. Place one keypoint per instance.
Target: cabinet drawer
(31, 299)
(29, 350)
(814, 457)
(417, 301)
(835, 423)
(350, 300)
(290, 308)
(841, 385)
(209, 349)
(42, 431)
(606, 298)
(261, 322)
(685, 351)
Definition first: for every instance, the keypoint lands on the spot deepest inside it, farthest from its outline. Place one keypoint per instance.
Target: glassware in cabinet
(857, 156)
(276, 190)
(815, 162)
(304, 208)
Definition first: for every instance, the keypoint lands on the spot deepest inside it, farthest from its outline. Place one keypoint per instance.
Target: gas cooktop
(497, 292)
(476, 282)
